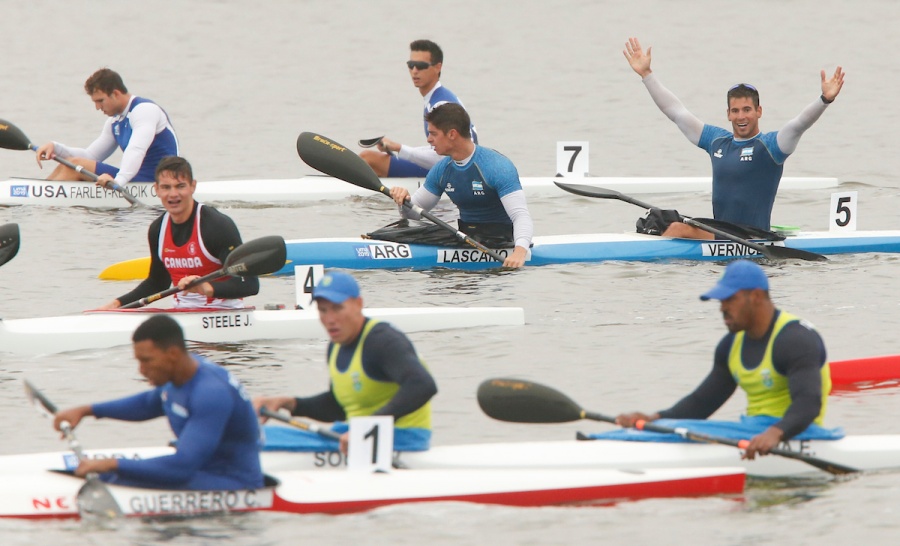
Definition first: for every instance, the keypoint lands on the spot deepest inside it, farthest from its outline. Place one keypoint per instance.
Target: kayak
(869, 371)
(281, 192)
(102, 329)
(357, 253)
(863, 452)
(47, 494)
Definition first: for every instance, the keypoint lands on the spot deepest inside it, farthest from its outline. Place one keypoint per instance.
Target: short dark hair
(177, 166)
(104, 80)
(162, 330)
(743, 91)
(437, 56)
(451, 115)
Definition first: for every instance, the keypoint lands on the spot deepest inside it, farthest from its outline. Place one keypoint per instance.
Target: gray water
(241, 80)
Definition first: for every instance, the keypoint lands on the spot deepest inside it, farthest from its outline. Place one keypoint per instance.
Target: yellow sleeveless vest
(360, 395)
(767, 390)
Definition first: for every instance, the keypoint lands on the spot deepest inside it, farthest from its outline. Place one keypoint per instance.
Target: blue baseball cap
(739, 275)
(336, 287)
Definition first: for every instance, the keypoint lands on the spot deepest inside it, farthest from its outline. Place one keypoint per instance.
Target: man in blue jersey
(208, 410)
(136, 125)
(425, 62)
(778, 359)
(747, 164)
(374, 369)
(481, 182)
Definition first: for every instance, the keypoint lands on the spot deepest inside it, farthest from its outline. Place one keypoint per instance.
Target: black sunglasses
(421, 65)
(747, 85)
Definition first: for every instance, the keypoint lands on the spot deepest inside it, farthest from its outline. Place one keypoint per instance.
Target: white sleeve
(789, 136)
(147, 119)
(99, 150)
(516, 207)
(423, 156)
(422, 198)
(689, 124)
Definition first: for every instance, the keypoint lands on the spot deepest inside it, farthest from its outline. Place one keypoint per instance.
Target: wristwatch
(826, 101)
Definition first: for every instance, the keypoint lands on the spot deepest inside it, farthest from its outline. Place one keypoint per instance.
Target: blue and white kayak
(356, 253)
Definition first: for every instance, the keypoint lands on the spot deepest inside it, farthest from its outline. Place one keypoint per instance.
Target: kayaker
(137, 125)
(374, 369)
(746, 164)
(399, 160)
(207, 408)
(482, 183)
(777, 358)
(188, 241)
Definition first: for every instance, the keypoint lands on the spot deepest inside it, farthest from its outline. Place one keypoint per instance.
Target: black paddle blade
(369, 142)
(520, 401)
(12, 138)
(785, 253)
(589, 191)
(9, 242)
(257, 257)
(333, 159)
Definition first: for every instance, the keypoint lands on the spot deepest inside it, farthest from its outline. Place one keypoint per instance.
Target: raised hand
(639, 61)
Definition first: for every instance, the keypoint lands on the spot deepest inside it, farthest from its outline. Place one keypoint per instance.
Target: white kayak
(282, 192)
(862, 452)
(47, 494)
(97, 330)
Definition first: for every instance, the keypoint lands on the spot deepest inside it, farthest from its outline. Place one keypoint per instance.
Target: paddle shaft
(93, 497)
(253, 258)
(304, 425)
(169, 291)
(459, 234)
(93, 176)
(773, 252)
(827, 466)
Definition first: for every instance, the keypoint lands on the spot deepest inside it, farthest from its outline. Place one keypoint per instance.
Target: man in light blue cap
(777, 358)
(374, 369)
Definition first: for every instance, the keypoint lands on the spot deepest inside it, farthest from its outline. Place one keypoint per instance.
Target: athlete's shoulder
(442, 95)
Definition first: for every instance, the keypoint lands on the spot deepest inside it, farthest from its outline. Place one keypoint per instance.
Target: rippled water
(241, 80)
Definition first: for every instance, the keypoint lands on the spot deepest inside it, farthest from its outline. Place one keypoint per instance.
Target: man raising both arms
(135, 124)
(188, 241)
(747, 164)
(481, 182)
(425, 62)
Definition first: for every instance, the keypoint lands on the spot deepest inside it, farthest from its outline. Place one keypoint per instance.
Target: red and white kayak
(866, 373)
(49, 494)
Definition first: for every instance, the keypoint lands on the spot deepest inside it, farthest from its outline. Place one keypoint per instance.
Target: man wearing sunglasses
(747, 164)
(399, 160)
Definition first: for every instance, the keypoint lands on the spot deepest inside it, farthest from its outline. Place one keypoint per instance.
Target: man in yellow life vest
(777, 358)
(374, 368)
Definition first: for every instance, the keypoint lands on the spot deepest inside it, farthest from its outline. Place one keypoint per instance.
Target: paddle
(12, 138)
(335, 160)
(301, 424)
(253, 258)
(369, 142)
(9, 242)
(520, 401)
(771, 252)
(94, 498)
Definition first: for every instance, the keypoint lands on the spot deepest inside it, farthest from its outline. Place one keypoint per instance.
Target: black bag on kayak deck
(656, 221)
(427, 233)
(741, 230)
